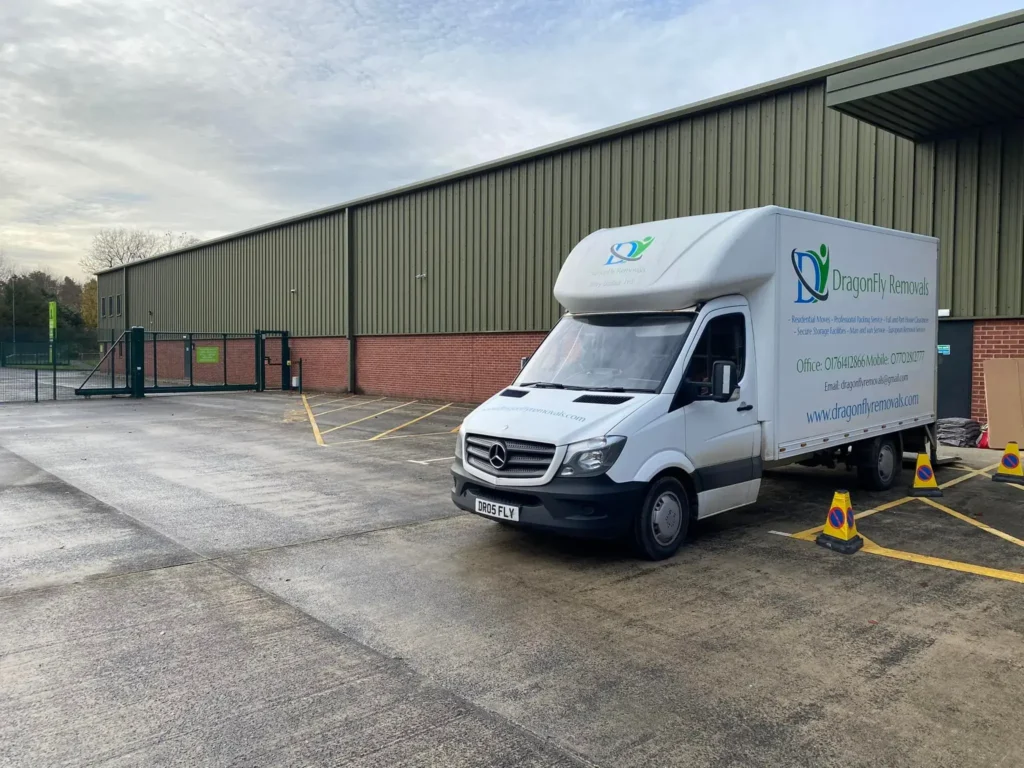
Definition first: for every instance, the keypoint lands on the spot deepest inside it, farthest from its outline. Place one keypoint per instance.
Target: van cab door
(723, 439)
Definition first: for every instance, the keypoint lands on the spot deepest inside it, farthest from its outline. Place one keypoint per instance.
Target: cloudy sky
(214, 115)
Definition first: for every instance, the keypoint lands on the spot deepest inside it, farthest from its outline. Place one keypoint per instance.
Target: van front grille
(508, 458)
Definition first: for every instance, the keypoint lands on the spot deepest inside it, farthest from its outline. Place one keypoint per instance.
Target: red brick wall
(324, 362)
(465, 368)
(992, 339)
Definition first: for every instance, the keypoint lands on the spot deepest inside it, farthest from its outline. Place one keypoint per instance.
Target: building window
(119, 305)
(103, 307)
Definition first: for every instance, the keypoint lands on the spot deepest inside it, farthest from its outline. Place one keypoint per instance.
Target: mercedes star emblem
(496, 455)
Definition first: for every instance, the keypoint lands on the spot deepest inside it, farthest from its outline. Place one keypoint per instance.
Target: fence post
(224, 358)
(36, 371)
(136, 358)
(53, 362)
(286, 363)
(300, 375)
(258, 354)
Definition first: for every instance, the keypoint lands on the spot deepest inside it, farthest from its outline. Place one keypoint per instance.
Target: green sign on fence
(53, 326)
(207, 354)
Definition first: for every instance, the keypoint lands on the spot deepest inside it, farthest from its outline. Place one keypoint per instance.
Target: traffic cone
(924, 478)
(840, 532)
(1010, 470)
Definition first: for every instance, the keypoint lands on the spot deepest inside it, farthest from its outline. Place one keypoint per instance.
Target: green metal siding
(108, 286)
(239, 285)
(481, 253)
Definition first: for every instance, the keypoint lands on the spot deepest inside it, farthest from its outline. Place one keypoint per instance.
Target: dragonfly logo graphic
(631, 250)
(812, 273)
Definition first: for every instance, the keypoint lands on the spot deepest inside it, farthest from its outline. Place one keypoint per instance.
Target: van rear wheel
(663, 521)
(880, 464)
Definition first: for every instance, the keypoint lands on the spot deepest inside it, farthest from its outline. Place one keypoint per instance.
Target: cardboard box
(1004, 396)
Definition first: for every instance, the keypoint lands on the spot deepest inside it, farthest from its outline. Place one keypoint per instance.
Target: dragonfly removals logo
(812, 273)
(631, 250)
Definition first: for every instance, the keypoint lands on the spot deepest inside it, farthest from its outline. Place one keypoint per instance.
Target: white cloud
(211, 117)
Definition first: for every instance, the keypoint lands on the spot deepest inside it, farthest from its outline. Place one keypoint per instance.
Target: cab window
(724, 338)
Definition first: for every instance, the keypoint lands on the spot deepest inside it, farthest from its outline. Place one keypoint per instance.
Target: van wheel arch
(683, 477)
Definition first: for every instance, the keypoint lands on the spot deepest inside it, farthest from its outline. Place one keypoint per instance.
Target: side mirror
(723, 380)
(523, 361)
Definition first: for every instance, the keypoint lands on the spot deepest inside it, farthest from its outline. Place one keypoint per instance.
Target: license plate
(499, 511)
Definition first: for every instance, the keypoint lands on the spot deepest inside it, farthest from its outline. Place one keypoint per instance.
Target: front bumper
(580, 506)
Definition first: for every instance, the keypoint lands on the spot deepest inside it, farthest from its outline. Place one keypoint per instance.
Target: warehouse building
(437, 289)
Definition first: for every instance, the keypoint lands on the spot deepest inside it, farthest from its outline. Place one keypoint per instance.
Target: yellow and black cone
(840, 532)
(1010, 470)
(924, 478)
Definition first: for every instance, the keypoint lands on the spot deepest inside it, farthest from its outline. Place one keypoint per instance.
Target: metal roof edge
(697, 107)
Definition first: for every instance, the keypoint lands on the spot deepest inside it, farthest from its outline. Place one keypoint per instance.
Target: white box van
(696, 352)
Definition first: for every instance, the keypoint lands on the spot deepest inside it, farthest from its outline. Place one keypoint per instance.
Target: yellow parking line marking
(312, 421)
(810, 533)
(409, 423)
(392, 437)
(371, 416)
(455, 430)
(336, 400)
(346, 407)
(968, 475)
(952, 565)
(972, 521)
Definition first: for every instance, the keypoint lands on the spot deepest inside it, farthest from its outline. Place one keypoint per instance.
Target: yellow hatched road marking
(354, 405)
(972, 521)
(410, 423)
(391, 437)
(810, 533)
(312, 421)
(953, 565)
(371, 416)
(969, 474)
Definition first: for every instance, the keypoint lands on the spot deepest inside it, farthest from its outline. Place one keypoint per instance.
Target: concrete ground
(194, 580)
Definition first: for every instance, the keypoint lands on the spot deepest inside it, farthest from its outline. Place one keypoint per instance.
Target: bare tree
(6, 267)
(115, 247)
(172, 241)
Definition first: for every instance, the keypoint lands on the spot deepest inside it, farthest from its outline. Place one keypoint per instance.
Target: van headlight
(591, 457)
(458, 445)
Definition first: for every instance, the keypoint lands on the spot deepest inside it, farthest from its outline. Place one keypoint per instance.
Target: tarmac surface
(195, 580)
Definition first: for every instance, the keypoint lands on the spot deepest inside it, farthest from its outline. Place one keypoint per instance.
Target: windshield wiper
(544, 385)
(618, 389)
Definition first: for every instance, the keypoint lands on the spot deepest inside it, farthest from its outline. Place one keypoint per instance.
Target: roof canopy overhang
(941, 90)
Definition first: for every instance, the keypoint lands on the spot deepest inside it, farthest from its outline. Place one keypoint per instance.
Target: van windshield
(627, 352)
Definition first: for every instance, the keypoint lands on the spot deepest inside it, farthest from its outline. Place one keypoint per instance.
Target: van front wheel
(663, 521)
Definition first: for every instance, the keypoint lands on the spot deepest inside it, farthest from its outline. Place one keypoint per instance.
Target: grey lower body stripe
(729, 473)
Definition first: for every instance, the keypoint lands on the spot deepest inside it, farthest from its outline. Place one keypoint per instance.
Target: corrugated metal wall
(481, 253)
(247, 283)
(109, 286)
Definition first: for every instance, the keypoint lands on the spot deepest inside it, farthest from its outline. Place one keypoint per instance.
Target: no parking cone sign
(840, 532)
(1010, 470)
(924, 478)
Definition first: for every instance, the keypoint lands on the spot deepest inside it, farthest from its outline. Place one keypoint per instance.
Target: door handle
(745, 408)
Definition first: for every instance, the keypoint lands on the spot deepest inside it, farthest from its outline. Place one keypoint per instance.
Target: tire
(880, 464)
(663, 521)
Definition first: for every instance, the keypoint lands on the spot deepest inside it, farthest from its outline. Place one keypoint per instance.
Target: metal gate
(144, 362)
(274, 368)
